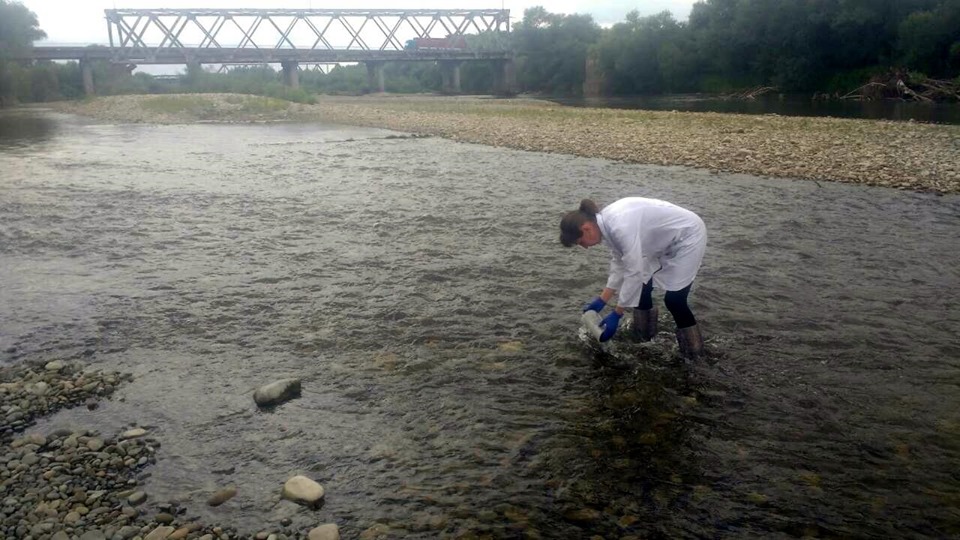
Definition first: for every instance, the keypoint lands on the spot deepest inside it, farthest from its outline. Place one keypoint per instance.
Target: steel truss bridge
(291, 37)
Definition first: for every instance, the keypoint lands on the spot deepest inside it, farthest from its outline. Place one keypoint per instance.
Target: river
(417, 287)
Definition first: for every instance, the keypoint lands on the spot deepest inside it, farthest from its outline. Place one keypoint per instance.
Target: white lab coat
(650, 238)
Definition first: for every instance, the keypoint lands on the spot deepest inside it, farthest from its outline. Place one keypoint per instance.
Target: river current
(417, 287)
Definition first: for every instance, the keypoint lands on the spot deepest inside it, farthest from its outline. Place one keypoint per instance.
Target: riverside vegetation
(901, 155)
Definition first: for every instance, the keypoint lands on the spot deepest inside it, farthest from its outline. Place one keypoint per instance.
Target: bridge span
(290, 37)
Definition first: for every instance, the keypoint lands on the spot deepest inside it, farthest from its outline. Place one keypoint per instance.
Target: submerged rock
(301, 489)
(222, 496)
(378, 531)
(160, 533)
(55, 365)
(133, 433)
(327, 531)
(277, 392)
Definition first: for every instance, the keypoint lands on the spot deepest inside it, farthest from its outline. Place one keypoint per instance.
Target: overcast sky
(82, 22)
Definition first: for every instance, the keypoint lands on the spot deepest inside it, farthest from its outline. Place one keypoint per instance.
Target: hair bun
(589, 207)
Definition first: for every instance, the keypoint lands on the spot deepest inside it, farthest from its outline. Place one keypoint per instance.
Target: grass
(204, 107)
(258, 104)
(193, 105)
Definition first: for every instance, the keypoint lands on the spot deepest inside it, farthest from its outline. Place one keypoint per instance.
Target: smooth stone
(303, 490)
(277, 392)
(35, 438)
(160, 533)
(128, 531)
(179, 534)
(583, 515)
(133, 433)
(327, 531)
(60, 535)
(379, 530)
(137, 498)
(164, 518)
(222, 496)
(93, 535)
(95, 444)
(56, 365)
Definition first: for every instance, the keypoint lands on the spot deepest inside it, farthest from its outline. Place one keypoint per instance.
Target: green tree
(804, 44)
(19, 28)
(44, 82)
(646, 55)
(928, 39)
(552, 51)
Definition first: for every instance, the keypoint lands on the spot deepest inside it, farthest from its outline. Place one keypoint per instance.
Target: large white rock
(327, 531)
(303, 490)
(133, 433)
(277, 392)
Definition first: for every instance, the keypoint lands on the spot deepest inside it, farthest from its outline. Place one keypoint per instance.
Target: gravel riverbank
(903, 155)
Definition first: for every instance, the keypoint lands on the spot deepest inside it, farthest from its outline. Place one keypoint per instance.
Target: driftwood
(898, 84)
(751, 93)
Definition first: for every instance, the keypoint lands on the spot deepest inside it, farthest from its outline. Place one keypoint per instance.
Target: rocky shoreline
(74, 484)
(900, 155)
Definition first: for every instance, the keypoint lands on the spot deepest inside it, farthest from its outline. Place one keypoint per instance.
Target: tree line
(828, 46)
(726, 45)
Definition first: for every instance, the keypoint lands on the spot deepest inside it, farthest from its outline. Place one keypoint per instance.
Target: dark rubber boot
(644, 325)
(690, 342)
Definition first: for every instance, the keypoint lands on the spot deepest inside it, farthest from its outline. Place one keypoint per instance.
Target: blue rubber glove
(595, 305)
(610, 323)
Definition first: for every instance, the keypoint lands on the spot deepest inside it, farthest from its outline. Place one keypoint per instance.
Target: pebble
(160, 533)
(133, 433)
(136, 498)
(328, 531)
(164, 518)
(303, 490)
(277, 392)
(222, 496)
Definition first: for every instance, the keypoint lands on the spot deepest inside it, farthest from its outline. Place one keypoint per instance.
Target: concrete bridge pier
(450, 73)
(86, 71)
(505, 78)
(291, 73)
(375, 77)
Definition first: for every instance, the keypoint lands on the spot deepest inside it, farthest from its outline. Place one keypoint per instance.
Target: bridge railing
(302, 29)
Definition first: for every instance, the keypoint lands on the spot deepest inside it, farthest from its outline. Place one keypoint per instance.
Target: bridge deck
(210, 55)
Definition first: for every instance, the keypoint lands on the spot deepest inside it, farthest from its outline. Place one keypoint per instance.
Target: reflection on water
(786, 105)
(24, 127)
(417, 288)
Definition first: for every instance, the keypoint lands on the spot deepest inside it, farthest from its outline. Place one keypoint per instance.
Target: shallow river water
(417, 287)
